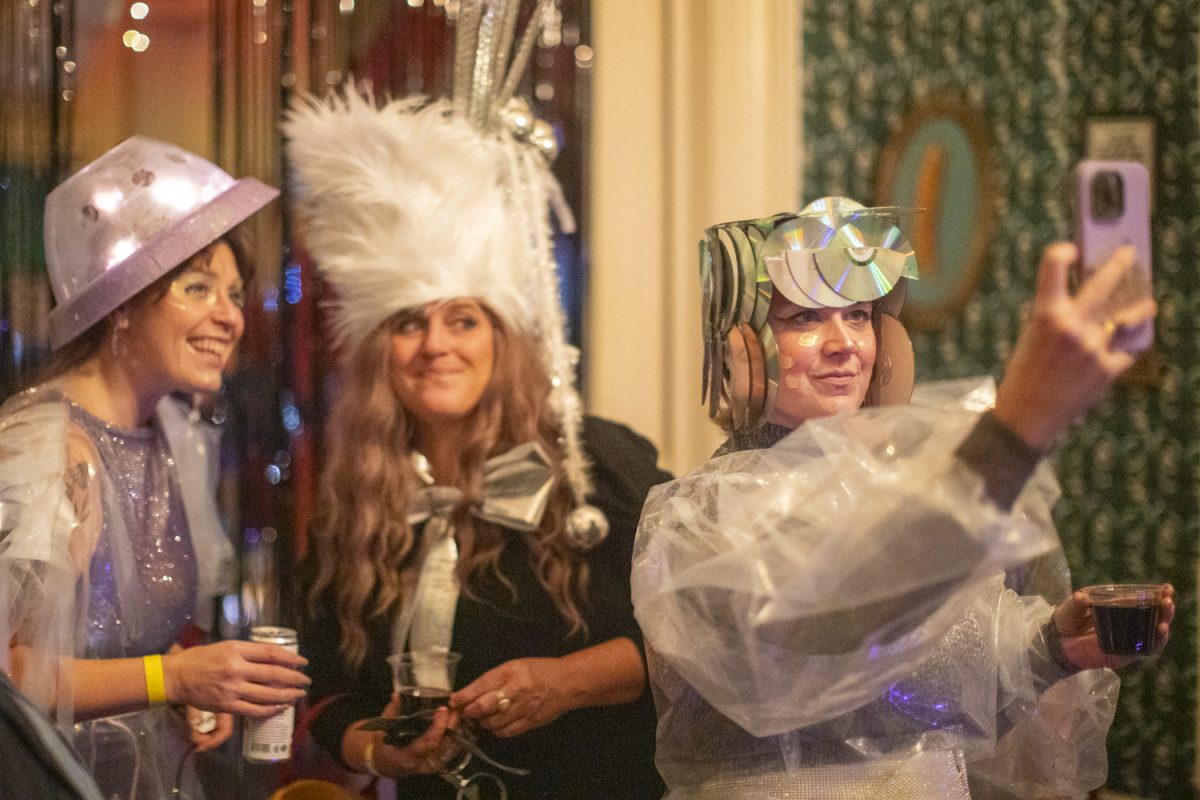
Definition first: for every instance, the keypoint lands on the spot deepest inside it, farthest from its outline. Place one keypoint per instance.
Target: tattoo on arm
(79, 480)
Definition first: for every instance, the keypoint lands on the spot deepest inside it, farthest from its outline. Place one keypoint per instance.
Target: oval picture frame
(939, 162)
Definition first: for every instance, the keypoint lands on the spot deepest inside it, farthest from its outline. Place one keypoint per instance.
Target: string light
(139, 10)
(135, 40)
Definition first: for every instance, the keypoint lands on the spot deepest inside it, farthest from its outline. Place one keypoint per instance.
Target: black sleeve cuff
(1047, 660)
(1000, 457)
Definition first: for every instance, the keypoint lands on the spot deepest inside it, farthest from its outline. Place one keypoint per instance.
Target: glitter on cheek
(806, 340)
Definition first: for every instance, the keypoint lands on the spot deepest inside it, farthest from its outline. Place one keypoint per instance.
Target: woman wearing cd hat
(824, 602)
(102, 561)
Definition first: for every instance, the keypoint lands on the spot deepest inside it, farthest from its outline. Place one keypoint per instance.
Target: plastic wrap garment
(839, 599)
(46, 566)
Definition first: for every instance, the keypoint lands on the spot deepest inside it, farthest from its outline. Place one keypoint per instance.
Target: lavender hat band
(164, 251)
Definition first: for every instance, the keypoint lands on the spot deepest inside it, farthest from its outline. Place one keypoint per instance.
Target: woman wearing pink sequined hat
(109, 543)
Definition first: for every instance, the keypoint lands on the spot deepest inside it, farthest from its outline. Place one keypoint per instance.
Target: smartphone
(1112, 209)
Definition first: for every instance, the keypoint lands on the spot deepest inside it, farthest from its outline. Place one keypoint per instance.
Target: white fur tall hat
(416, 202)
(404, 205)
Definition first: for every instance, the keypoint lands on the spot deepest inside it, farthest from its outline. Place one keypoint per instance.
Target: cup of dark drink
(423, 679)
(1126, 616)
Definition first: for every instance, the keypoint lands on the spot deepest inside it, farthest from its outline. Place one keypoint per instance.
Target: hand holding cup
(1113, 625)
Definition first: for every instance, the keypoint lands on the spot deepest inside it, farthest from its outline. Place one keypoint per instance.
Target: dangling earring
(121, 323)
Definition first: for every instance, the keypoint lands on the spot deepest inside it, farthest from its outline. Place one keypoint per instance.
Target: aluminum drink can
(270, 738)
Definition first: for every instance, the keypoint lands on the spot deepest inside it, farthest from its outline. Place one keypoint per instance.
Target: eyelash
(203, 289)
(812, 318)
(410, 326)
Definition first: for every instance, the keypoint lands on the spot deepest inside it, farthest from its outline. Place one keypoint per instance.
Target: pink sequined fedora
(130, 217)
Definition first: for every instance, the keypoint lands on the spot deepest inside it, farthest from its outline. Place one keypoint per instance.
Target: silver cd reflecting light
(737, 362)
(706, 318)
(788, 257)
(764, 288)
(866, 258)
(758, 379)
(747, 272)
(732, 276)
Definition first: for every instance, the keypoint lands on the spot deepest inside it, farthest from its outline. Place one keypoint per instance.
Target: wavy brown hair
(362, 542)
(89, 342)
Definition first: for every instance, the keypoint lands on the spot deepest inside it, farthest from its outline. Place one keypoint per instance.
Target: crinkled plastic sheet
(840, 596)
(194, 446)
(44, 555)
(37, 574)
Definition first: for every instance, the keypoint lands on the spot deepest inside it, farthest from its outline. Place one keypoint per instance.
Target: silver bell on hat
(586, 527)
(130, 217)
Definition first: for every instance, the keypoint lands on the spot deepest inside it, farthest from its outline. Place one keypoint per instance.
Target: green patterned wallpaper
(1037, 70)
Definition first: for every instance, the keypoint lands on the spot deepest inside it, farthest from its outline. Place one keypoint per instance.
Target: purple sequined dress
(118, 577)
(138, 611)
(140, 468)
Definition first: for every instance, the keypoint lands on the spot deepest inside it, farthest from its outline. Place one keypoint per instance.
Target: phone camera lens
(1108, 195)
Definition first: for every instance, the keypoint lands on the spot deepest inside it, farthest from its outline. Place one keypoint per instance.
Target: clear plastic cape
(840, 598)
(45, 549)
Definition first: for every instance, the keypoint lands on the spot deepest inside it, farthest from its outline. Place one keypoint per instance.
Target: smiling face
(826, 357)
(443, 355)
(181, 339)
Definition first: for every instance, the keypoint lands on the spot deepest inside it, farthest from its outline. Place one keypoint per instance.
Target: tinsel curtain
(36, 89)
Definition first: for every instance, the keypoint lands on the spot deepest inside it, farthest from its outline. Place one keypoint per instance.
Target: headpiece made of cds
(834, 253)
(416, 202)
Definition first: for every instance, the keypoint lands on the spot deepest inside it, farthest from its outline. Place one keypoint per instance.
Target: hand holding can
(267, 739)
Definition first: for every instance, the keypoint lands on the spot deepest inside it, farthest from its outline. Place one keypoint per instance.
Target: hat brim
(166, 250)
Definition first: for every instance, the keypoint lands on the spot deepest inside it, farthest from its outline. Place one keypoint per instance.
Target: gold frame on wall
(938, 157)
(1124, 137)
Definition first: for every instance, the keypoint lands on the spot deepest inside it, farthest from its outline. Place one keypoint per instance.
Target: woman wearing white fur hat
(465, 506)
(108, 544)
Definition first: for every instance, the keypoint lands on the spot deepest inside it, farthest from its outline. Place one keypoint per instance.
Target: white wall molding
(696, 121)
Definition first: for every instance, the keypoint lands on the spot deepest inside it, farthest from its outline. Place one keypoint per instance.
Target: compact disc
(866, 258)
(762, 280)
(737, 366)
(746, 271)
(731, 279)
(707, 313)
(715, 375)
(788, 257)
(892, 382)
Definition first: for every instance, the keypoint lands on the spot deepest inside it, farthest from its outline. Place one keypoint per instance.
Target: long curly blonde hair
(362, 542)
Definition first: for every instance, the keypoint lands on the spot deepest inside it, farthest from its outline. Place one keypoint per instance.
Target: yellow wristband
(369, 758)
(156, 689)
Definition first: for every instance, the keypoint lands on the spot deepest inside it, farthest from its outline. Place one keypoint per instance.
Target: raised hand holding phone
(1112, 210)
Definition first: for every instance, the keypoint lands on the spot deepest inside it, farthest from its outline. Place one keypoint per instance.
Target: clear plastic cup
(423, 679)
(1126, 616)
